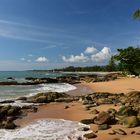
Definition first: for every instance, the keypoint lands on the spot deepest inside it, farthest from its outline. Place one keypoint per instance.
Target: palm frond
(136, 14)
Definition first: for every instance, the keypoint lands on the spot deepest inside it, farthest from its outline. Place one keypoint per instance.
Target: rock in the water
(119, 131)
(90, 135)
(103, 127)
(131, 121)
(9, 125)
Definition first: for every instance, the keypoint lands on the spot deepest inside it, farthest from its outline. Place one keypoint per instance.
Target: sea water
(48, 129)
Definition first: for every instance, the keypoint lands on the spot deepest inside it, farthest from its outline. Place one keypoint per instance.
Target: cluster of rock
(71, 79)
(10, 113)
(128, 114)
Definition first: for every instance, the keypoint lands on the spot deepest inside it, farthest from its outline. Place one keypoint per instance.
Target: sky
(47, 34)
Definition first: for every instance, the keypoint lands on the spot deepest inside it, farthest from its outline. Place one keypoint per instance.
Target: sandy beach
(77, 111)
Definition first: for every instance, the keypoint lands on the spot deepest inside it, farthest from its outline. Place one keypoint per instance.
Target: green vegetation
(129, 59)
(136, 14)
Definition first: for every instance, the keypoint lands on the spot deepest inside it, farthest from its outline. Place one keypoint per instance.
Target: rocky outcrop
(46, 97)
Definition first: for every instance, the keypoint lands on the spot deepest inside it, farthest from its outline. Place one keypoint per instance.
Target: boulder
(87, 121)
(103, 118)
(90, 135)
(126, 111)
(9, 125)
(131, 121)
(94, 111)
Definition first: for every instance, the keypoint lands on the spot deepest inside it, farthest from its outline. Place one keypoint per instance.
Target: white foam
(63, 87)
(46, 130)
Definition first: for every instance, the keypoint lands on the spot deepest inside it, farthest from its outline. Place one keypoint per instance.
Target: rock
(22, 98)
(41, 99)
(90, 135)
(119, 131)
(66, 107)
(5, 109)
(133, 132)
(7, 101)
(84, 129)
(10, 78)
(87, 121)
(111, 111)
(103, 127)
(94, 111)
(103, 118)
(131, 121)
(126, 111)
(46, 97)
(9, 125)
(14, 110)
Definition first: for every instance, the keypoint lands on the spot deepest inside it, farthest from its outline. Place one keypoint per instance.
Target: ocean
(14, 91)
(47, 129)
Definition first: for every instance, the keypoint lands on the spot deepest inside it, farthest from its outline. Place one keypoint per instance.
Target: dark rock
(84, 129)
(103, 127)
(14, 110)
(87, 121)
(126, 111)
(66, 107)
(22, 98)
(9, 125)
(7, 101)
(10, 78)
(133, 132)
(103, 118)
(90, 135)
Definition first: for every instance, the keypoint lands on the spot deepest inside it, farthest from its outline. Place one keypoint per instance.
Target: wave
(49, 129)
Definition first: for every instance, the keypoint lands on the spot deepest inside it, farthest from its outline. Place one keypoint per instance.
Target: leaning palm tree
(136, 14)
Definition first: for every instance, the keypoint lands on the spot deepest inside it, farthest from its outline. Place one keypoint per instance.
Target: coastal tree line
(127, 60)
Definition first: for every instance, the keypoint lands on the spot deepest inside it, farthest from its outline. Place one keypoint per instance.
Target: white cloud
(30, 55)
(90, 50)
(104, 54)
(23, 59)
(77, 58)
(41, 59)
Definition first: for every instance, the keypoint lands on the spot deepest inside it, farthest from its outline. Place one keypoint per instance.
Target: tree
(136, 14)
(111, 64)
(129, 59)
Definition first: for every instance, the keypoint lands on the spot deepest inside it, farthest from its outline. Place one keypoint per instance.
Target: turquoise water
(14, 91)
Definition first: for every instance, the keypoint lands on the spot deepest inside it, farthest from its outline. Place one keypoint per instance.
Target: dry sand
(77, 112)
(123, 85)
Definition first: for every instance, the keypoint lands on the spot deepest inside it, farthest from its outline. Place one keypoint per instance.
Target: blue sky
(46, 34)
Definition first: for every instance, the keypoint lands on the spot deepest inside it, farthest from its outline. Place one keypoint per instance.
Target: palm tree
(136, 14)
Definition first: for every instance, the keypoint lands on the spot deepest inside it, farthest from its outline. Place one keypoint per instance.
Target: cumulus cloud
(77, 58)
(90, 50)
(41, 59)
(104, 54)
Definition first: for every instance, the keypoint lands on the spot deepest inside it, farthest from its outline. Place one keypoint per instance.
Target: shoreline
(76, 111)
